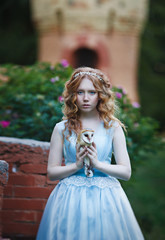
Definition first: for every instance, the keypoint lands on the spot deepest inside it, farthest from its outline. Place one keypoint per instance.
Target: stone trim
(29, 142)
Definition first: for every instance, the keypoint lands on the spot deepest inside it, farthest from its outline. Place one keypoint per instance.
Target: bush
(31, 99)
(31, 102)
(141, 135)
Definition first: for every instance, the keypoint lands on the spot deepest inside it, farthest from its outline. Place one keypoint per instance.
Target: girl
(83, 208)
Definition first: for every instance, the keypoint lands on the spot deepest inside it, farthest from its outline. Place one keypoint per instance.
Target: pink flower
(51, 67)
(4, 124)
(54, 79)
(123, 90)
(60, 99)
(57, 78)
(136, 105)
(120, 87)
(118, 95)
(64, 63)
(136, 125)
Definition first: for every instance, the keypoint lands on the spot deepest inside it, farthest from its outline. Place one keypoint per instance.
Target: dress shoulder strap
(61, 126)
(113, 125)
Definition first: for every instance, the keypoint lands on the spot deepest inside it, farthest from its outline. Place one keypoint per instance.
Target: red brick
(22, 153)
(38, 216)
(51, 188)
(26, 179)
(1, 190)
(21, 179)
(52, 182)
(26, 229)
(34, 168)
(9, 216)
(1, 202)
(10, 167)
(40, 180)
(23, 204)
(8, 191)
(25, 216)
(32, 192)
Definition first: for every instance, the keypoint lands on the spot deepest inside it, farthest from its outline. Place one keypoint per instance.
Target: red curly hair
(106, 105)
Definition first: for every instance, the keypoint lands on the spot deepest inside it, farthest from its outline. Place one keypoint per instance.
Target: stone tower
(98, 33)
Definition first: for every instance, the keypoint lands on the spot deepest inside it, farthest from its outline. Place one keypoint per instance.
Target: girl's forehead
(86, 83)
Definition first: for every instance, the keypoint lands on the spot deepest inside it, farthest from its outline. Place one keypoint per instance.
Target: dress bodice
(102, 138)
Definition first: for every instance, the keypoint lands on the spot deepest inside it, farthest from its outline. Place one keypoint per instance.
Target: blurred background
(25, 37)
(123, 38)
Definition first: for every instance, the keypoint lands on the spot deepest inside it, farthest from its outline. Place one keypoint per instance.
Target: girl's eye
(92, 92)
(79, 92)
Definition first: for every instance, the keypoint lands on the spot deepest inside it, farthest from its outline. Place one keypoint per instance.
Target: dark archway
(85, 57)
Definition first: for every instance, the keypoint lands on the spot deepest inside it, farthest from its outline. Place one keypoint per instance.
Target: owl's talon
(90, 173)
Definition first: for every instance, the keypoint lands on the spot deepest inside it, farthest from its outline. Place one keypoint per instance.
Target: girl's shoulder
(114, 124)
(60, 126)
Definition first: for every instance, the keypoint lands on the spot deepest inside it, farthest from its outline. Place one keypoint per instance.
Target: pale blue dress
(82, 208)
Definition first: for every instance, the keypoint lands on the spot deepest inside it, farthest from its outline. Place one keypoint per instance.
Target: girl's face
(87, 96)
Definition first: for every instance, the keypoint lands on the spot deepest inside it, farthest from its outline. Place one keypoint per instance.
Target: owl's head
(86, 135)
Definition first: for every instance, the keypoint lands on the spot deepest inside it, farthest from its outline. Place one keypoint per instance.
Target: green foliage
(30, 99)
(146, 193)
(31, 104)
(141, 132)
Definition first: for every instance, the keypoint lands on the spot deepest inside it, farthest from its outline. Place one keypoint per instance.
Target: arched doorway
(85, 57)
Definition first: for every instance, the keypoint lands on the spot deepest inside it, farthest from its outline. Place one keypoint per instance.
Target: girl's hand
(92, 154)
(80, 154)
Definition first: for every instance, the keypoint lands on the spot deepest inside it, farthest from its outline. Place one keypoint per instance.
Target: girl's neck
(90, 116)
(91, 121)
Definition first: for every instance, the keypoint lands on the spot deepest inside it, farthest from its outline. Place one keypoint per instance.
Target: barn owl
(85, 138)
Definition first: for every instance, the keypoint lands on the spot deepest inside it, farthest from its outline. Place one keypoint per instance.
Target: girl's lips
(86, 105)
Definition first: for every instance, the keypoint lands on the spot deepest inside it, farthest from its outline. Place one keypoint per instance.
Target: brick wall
(28, 187)
(3, 181)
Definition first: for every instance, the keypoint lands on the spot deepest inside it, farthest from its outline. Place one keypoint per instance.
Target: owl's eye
(92, 135)
(86, 135)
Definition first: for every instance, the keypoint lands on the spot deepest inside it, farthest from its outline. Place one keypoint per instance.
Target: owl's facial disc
(89, 137)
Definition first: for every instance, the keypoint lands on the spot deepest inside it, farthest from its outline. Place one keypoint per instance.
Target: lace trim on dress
(101, 182)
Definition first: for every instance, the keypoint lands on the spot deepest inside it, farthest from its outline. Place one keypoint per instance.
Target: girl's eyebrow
(87, 90)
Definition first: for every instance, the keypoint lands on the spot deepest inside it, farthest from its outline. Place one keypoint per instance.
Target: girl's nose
(86, 97)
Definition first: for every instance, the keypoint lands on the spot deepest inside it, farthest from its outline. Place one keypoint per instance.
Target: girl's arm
(122, 168)
(55, 170)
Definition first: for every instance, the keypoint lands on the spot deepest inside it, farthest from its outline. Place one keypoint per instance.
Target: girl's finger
(92, 154)
(91, 148)
(82, 152)
(84, 155)
(94, 145)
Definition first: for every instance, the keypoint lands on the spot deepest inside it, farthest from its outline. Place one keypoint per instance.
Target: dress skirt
(81, 208)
